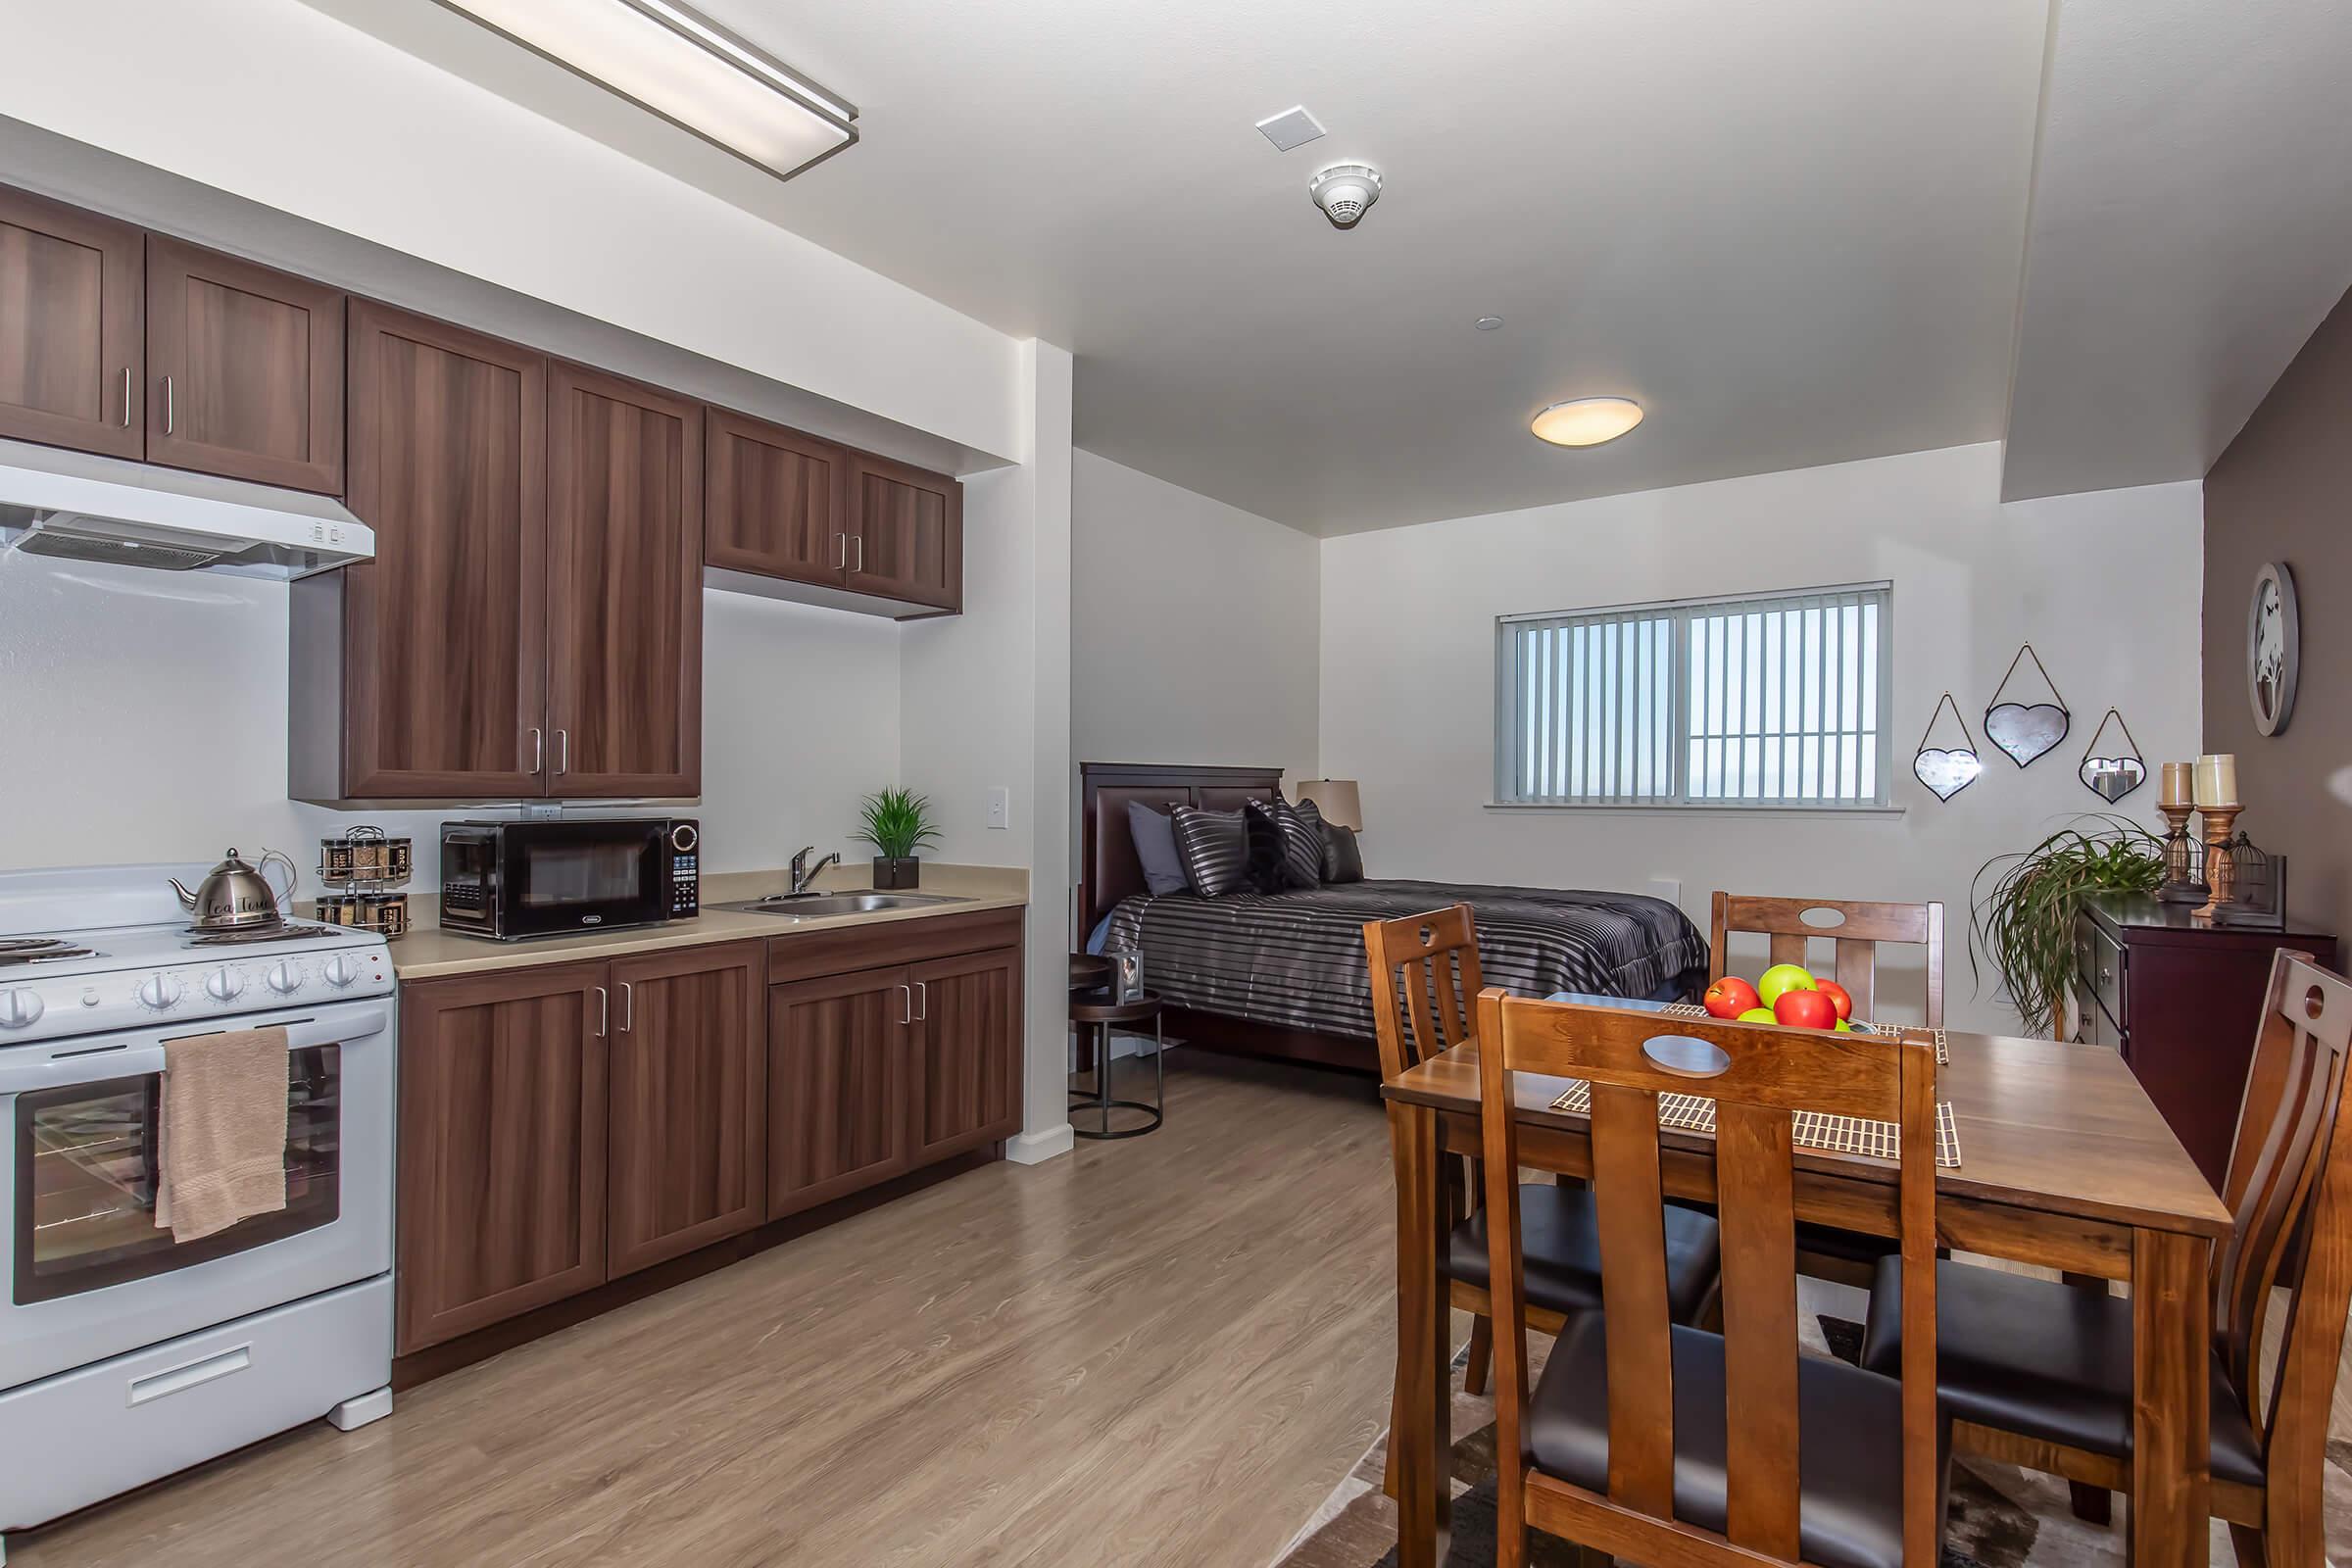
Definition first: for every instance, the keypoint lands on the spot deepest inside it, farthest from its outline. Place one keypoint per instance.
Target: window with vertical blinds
(1771, 700)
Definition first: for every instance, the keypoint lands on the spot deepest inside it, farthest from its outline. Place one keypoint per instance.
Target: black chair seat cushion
(1559, 1239)
(1821, 1241)
(2044, 1360)
(1850, 1458)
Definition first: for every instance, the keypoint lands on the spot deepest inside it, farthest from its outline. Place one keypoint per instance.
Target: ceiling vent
(1344, 191)
(1292, 127)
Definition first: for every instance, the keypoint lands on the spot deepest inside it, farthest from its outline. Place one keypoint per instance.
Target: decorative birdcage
(2255, 880)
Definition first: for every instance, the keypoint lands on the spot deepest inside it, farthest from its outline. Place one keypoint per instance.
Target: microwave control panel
(685, 871)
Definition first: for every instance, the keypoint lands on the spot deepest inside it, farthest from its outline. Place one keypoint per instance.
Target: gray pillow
(1155, 847)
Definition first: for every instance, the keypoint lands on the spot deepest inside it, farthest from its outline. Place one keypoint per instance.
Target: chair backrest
(1856, 927)
(1758, 1075)
(2290, 1168)
(1425, 977)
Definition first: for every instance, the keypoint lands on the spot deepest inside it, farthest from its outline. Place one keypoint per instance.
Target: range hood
(77, 505)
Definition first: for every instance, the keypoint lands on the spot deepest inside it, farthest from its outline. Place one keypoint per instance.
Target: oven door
(87, 1273)
(584, 875)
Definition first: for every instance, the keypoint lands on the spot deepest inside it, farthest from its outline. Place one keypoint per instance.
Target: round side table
(1100, 1010)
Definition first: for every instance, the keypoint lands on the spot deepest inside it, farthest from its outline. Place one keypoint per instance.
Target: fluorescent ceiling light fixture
(1587, 421)
(676, 63)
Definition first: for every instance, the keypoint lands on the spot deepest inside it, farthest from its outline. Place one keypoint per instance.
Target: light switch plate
(1000, 806)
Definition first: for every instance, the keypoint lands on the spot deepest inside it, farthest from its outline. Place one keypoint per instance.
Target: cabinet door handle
(126, 397)
(628, 1005)
(604, 1012)
(860, 567)
(170, 409)
(562, 750)
(905, 1004)
(922, 998)
(538, 752)
(843, 564)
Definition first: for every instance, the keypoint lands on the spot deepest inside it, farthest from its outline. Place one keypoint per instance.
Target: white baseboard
(1035, 1148)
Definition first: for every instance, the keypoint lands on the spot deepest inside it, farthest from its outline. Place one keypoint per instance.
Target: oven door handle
(135, 1062)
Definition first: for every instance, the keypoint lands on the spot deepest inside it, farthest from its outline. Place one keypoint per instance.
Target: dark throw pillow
(1302, 844)
(1214, 847)
(1342, 860)
(1263, 821)
(1156, 848)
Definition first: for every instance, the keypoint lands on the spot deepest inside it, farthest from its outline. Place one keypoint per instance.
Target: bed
(1283, 974)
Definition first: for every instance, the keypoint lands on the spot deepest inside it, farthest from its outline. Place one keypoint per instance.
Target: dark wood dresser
(2180, 999)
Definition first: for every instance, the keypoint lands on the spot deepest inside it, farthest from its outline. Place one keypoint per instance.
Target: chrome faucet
(803, 873)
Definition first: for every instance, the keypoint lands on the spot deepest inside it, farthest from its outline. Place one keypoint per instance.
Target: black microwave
(510, 880)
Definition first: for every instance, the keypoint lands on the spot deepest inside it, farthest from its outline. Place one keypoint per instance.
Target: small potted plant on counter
(899, 825)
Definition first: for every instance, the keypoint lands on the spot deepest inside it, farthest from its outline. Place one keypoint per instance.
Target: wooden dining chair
(2038, 1374)
(1660, 1443)
(1425, 979)
(1850, 1257)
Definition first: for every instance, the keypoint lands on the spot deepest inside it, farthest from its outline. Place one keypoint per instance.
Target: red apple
(1805, 1009)
(1838, 995)
(1729, 996)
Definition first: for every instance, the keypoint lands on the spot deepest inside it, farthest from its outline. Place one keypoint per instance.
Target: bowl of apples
(1786, 994)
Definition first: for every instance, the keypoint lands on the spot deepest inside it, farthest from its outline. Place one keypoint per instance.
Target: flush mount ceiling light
(674, 62)
(1587, 421)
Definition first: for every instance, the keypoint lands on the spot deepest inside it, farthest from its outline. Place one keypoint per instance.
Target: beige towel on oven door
(222, 1149)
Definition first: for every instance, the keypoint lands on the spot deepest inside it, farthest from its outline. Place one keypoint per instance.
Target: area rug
(2001, 1517)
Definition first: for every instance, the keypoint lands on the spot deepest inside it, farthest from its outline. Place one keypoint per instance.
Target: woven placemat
(1810, 1129)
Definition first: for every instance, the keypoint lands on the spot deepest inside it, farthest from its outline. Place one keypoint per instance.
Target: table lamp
(1337, 798)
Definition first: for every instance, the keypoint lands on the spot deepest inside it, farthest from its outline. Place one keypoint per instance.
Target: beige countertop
(428, 953)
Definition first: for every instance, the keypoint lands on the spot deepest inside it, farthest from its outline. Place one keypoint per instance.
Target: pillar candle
(2177, 784)
(2217, 779)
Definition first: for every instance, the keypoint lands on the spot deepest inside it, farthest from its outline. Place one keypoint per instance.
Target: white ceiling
(1796, 232)
(2191, 224)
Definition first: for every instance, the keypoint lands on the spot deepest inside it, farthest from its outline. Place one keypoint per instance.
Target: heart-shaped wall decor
(1946, 773)
(2111, 779)
(2025, 733)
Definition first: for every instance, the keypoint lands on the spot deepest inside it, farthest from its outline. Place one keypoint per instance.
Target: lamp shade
(1335, 799)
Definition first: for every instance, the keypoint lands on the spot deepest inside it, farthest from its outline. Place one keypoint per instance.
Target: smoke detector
(1344, 191)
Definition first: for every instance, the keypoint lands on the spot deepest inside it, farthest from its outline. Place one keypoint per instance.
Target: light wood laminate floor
(1166, 1350)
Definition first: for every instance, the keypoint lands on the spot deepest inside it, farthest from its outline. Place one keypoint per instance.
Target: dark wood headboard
(1107, 869)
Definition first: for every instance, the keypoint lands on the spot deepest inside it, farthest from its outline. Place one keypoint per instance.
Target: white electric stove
(124, 1354)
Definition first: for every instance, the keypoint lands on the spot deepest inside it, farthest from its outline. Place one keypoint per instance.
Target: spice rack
(368, 873)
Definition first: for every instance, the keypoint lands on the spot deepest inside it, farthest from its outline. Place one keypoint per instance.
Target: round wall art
(2273, 636)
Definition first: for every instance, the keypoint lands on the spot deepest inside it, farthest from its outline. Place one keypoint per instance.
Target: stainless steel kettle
(236, 897)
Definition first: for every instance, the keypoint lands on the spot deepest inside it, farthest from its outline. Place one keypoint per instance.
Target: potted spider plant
(2024, 923)
(898, 824)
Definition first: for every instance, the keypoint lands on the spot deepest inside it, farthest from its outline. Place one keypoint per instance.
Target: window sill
(1688, 808)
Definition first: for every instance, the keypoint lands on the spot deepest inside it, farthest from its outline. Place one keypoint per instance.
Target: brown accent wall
(2282, 491)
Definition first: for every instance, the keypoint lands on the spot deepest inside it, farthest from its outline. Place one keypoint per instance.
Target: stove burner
(16, 951)
(230, 939)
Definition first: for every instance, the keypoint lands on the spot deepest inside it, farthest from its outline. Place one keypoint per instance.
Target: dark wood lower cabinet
(836, 1086)
(501, 1146)
(689, 1121)
(966, 1052)
(569, 1125)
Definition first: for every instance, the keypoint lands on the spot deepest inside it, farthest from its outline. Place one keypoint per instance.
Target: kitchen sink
(818, 906)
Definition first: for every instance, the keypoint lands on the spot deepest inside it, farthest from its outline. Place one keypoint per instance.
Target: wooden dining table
(2064, 1163)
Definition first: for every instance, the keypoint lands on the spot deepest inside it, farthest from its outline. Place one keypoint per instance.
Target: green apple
(1781, 979)
(1758, 1015)
(1843, 1027)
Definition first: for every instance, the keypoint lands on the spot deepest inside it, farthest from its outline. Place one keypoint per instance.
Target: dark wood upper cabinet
(624, 629)
(837, 1086)
(774, 502)
(72, 337)
(689, 1101)
(501, 1146)
(428, 664)
(966, 1052)
(907, 533)
(244, 369)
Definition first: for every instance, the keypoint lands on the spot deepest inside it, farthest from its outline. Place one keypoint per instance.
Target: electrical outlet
(1000, 806)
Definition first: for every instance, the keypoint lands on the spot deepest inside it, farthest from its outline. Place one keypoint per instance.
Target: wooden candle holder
(2220, 863)
(2180, 885)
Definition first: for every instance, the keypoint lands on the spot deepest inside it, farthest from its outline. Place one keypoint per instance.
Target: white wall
(275, 101)
(156, 707)
(2105, 585)
(985, 704)
(1195, 624)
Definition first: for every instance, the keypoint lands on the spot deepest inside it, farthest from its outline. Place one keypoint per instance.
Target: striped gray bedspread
(1296, 959)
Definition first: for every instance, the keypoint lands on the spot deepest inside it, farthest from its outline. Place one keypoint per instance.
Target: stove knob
(159, 991)
(224, 985)
(285, 976)
(18, 1009)
(340, 972)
